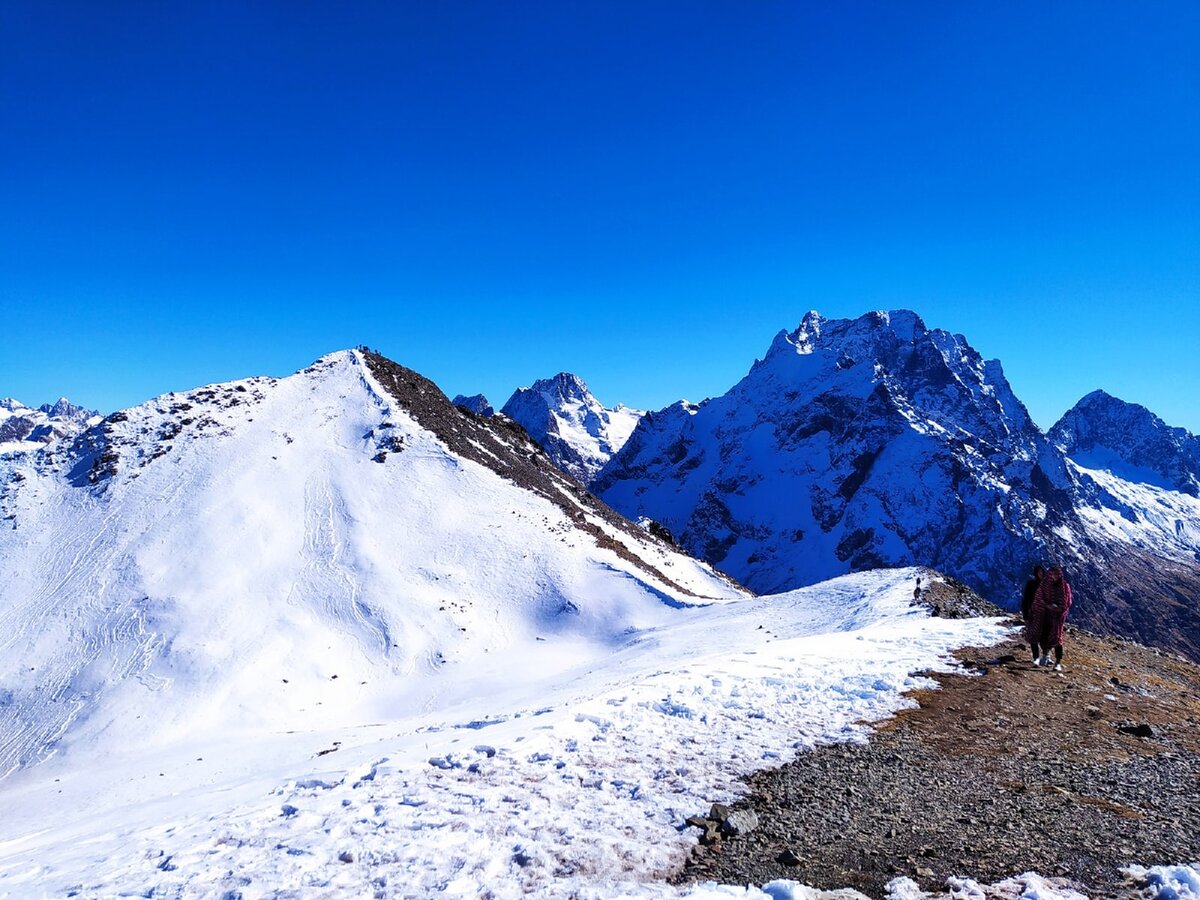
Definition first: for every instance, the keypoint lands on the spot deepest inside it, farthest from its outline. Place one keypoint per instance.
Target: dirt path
(1017, 769)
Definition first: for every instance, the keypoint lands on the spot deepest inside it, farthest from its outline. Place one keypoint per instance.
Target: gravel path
(1015, 769)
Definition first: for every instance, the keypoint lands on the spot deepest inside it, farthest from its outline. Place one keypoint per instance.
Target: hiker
(1044, 629)
(1030, 590)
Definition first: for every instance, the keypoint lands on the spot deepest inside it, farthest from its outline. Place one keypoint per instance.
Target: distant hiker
(1031, 587)
(1044, 629)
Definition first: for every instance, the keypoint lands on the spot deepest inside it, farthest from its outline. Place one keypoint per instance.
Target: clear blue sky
(641, 193)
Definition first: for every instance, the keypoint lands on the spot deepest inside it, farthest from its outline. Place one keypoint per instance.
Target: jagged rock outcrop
(577, 431)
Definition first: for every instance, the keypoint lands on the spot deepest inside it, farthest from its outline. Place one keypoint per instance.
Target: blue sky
(639, 193)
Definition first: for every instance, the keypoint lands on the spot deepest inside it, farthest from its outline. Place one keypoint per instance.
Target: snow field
(575, 785)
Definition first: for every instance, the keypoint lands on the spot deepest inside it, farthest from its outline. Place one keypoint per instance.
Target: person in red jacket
(1044, 630)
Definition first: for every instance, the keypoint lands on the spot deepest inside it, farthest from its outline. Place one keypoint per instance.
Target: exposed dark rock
(1024, 770)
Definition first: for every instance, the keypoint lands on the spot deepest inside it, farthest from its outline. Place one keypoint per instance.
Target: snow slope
(329, 636)
(560, 769)
(303, 534)
(578, 432)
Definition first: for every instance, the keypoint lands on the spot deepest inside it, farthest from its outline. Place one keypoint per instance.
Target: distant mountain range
(878, 441)
(25, 428)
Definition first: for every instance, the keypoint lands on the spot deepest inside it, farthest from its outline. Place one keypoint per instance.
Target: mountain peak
(476, 403)
(578, 432)
(1105, 432)
(64, 408)
(564, 385)
(852, 420)
(868, 334)
(24, 430)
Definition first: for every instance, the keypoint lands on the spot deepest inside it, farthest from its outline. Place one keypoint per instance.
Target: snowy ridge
(578, 432)
(1141, 514)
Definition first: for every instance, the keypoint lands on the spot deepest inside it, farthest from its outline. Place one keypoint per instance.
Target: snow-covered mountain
(1103, 432)
(279, 551)
(330, 635)
(578, 432)
(23, 429)
(333, 636)
(877, 441)
(476, 403)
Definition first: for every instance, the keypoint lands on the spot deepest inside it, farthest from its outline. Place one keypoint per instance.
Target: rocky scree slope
(877, 441)
(1103, 758)
(578, 432)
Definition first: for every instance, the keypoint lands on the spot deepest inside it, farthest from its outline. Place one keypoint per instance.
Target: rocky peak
(65, 409)
(1104, 432)
(563, 387)
(476, 403)
(577, 431)
(934, 379)
(854, 443)
(23, 429)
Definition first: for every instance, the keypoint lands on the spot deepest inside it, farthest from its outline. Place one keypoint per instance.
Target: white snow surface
(1167, 882)
(560, 769)
(260, 542)
(1149, 516)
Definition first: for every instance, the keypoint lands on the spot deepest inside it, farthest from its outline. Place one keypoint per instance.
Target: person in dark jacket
(1031, 587)
(1044, 631)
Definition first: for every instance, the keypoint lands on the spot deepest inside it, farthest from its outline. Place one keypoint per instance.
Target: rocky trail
(1009, 769)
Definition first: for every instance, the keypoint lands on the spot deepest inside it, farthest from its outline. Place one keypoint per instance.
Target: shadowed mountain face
(476, 403)
(878, 442)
